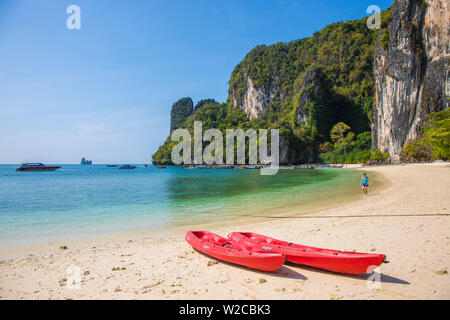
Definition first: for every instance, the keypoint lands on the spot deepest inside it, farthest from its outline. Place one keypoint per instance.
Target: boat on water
(127, 166)
(161, 166)
(112, 165)
(326, 259)
(251, 166)
(36, 167)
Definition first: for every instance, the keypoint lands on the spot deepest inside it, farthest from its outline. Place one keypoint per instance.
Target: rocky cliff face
(307, 93)
(256, 98)
(306, 86)
(411, 72)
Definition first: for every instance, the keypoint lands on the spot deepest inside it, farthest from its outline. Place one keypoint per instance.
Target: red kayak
(224, 249)
(332, 260)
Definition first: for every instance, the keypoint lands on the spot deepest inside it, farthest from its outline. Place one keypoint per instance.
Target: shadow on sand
(363, 277)
(283, 272)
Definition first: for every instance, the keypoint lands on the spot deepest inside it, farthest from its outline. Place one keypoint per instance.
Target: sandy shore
(407, 220)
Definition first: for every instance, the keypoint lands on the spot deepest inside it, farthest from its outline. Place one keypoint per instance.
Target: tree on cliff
(339, 137)
(344, 148)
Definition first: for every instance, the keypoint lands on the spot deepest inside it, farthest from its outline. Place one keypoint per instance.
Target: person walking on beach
(364, 184)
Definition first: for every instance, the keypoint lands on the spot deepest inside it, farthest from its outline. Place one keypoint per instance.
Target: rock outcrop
(256, 98)
(411, 72)
(308, 92)
(181, 110)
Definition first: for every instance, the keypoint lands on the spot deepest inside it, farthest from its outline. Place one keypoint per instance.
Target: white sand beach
(407, 219)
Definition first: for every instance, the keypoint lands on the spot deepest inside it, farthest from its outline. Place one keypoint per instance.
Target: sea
(78, 202)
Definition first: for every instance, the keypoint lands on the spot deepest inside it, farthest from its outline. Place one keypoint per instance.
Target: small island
(85, 162)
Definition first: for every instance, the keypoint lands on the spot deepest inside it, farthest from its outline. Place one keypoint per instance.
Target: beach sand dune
(407, 220)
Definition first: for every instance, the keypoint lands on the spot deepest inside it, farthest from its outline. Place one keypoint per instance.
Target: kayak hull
(326, 259)
(223, 249)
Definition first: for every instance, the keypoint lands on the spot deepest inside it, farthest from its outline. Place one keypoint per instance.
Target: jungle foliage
(434, 142)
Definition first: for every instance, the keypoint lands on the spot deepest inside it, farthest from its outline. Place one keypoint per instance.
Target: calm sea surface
(77, 201)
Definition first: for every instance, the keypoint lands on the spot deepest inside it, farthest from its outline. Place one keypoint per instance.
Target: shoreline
(163, 265)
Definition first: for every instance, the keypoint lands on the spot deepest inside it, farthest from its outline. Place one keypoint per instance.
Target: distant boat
(85, 162)
(161, 166)
(127, 166)
(112, 165)
(145, 165)
(36, 167)
(251, 166)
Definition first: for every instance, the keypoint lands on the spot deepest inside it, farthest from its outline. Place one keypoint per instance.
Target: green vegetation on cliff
(181, 110)
(435, 140)
(345, 148)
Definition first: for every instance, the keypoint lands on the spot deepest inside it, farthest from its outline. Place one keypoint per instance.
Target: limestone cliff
(306, 86)
(256, 98)
(411, 72)
(309, 90)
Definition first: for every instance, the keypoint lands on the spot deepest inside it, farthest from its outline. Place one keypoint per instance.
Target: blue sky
(104, 92)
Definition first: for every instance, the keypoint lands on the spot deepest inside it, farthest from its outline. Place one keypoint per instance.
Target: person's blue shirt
(364, 181)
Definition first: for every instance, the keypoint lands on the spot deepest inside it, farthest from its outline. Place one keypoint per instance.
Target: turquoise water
(77, 201)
